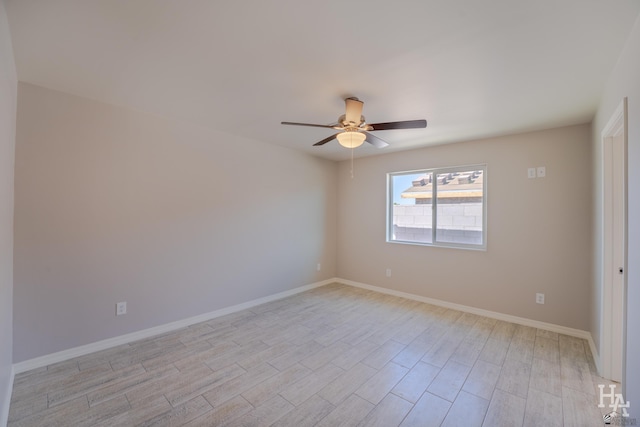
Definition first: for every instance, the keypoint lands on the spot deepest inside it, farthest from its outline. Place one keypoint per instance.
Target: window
(439, 207)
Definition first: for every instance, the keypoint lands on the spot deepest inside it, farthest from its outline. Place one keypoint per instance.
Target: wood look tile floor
(332, 356)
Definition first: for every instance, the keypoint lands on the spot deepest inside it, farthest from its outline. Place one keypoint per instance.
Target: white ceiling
(471, 68)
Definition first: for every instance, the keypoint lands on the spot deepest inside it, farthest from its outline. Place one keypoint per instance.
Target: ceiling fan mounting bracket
(342, 120)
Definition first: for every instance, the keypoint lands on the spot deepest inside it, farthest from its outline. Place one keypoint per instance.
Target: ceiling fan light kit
(354, 130)
(351, 138)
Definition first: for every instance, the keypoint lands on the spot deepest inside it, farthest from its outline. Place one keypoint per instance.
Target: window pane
(459, 207)
(412, 208)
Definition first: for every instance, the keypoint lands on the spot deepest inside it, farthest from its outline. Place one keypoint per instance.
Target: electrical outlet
(388, 272)
(121, 308)
(542, 172)
(318, 267)
(531, 172)
(539, 298)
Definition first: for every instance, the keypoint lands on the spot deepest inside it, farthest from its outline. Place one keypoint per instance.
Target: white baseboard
(595, 354)
(486, 313)
(4, 409)
(61, 356)
(147, 333)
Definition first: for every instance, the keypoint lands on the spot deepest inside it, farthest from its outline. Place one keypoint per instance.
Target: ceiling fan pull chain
(352, 162)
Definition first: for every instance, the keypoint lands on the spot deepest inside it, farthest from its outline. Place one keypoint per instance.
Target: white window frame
(434, 207)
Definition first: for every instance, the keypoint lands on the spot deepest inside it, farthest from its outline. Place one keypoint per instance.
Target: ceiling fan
(354, 131)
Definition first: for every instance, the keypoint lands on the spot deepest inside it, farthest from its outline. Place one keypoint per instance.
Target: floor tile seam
(486, 411)
(201, 391)
(497, 387)
(290, 402)
(361, 397)
(476, 395)
(406, 400)
(580, 389)
(76, 395)
(31, 414)
(134, 387)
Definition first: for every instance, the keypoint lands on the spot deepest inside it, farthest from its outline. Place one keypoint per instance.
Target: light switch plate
(531, 172)
(542, 171)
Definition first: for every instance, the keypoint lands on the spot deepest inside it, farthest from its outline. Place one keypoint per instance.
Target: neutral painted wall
(623, 82)
(539, 234)
(117, 205)
(8, 89)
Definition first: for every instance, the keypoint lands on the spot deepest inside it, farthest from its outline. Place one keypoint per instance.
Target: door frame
(610, 356)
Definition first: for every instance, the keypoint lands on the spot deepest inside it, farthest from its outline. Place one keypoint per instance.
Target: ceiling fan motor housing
(342, 120)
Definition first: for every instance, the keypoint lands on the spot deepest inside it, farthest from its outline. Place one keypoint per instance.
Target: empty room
(412, 213)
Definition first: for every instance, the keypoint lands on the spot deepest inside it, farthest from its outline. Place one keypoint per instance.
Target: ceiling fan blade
(324, 141)
(307, 124)
(375, 141)
(408, 124)
(353, 110)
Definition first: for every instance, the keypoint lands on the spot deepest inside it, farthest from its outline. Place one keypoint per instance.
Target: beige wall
(8, 87)
(623, 82)
(116, 205)
(539, 234)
